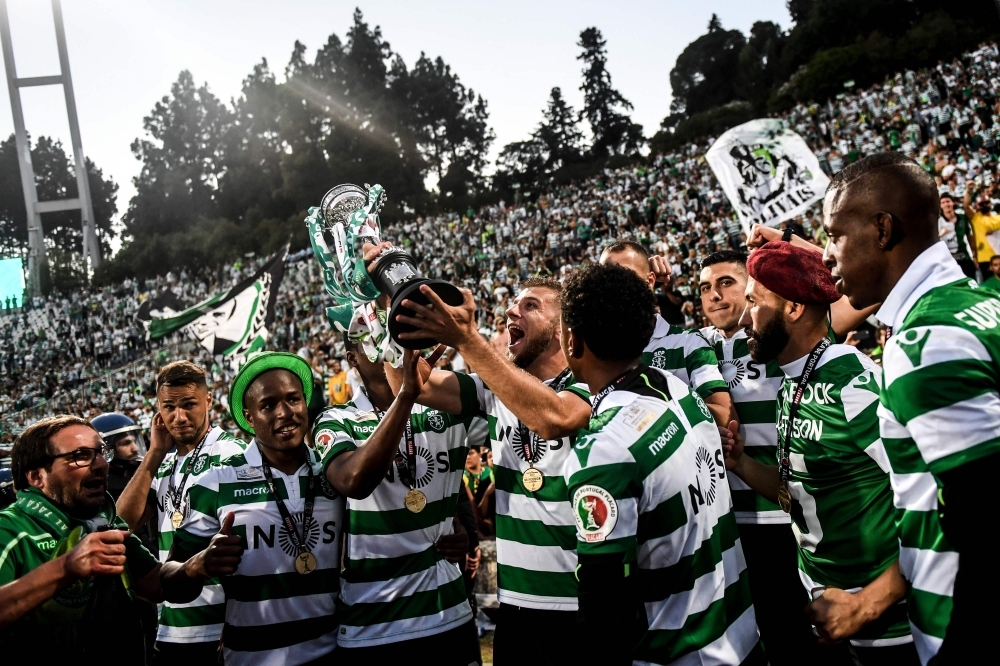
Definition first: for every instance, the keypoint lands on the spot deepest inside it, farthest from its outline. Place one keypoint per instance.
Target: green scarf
(70, 603)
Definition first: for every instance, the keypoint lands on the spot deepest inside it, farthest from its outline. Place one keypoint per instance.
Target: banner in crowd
(768, 172)
(232, 324)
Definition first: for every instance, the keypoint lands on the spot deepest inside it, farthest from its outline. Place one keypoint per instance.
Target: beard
(75, 501)
(769, 341)
(533, 347)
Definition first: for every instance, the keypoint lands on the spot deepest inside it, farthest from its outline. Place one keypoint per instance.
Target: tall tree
(703, 77)
(759, 65)
(605, 108)
(182, 161)
(54, 179)
(560, 132)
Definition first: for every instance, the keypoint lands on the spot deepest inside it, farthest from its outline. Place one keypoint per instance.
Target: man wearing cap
(400, 466)
(267, 523)
(183, 447)
(831, 473)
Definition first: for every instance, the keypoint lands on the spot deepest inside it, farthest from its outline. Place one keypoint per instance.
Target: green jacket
(87, 614)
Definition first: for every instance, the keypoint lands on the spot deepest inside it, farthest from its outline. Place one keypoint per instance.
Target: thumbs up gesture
(222, 557)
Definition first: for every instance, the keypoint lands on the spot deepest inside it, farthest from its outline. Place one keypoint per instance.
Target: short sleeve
(578, 388)
(702, 365)
(9, 551)
(604, 497)
(472, 396)
(333, 436)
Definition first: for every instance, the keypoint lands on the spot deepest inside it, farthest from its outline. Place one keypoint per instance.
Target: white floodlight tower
(35, 208)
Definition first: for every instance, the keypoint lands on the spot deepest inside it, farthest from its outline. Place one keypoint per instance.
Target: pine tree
(560, 133)
(613, 131)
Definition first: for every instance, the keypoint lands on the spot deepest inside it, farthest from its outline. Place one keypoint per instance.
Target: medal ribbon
(631, 373)
(176, 495)
(785, 443)
(411, 449)
(558, 384)
(286, 518)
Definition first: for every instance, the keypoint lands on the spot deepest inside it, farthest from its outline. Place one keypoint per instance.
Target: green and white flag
(768, 172)
(232, 324)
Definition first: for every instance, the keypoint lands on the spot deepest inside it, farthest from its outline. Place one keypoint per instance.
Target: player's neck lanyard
(176, 495)
(785, 443)
(411, 451)
(558, 384)
(286, 518)
(629, 374)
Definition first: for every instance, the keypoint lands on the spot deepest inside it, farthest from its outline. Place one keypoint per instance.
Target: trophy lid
(341, 201)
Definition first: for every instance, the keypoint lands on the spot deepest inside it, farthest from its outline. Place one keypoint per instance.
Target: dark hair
(625, 245)
(180, 373)
(31, 448)
(611, 308)
(947, 195)
(995, 256)
(539, 281)
(725, 257)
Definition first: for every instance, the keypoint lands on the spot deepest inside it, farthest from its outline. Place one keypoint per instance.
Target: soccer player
(400, 466)
(662, 575)
(940, 411)
(765, 533)
(266, 522)
(183, 446)
(683, 352)
(831, 473)
(533, 406)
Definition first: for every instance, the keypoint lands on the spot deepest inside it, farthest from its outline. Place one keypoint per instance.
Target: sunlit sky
(125, 55)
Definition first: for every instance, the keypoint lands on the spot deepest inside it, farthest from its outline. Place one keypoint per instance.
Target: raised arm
(439, 388)
(133, 506)
(356, 473)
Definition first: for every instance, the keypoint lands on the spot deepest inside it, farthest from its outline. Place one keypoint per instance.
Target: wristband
(787, 235)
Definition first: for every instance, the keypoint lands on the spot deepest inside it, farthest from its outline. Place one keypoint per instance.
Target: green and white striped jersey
(647, 480)
(274, 615)
(940, 410)
(754, 389)
(395, 587)
(536, 533)
(842, 511)
(687, 355)
(201, 620)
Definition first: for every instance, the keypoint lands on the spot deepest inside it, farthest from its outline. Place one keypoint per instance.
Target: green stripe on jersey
(842, 504)
(269, 605)
(754, 389)
(687, 355)
(395, 586)
(646, 483)
(536, 555)
(940, 409)
(180, 623)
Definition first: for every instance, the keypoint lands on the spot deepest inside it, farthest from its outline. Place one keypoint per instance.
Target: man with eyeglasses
(69, 569)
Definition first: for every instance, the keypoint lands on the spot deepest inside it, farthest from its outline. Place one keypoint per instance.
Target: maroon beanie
(794, 273)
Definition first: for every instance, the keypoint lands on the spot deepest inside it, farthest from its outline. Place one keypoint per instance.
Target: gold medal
(784, 497)
(177, 519)
(415, 501)
(532, 480)
(305, 562)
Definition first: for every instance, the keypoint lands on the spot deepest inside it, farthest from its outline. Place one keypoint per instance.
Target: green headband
(259, 364)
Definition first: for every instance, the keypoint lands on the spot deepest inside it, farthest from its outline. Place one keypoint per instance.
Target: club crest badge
(596, 513)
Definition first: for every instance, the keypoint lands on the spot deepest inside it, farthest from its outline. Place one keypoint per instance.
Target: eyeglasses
(83, 457)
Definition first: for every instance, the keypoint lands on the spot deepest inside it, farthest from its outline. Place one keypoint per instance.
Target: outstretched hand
(454, 326)
(417, 370)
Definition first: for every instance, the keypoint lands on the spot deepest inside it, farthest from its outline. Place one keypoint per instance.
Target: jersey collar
(661, 329)
(254, 459)
(934, 267)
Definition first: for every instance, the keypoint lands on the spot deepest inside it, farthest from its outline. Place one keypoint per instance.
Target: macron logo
(665, 437)
(250, 492)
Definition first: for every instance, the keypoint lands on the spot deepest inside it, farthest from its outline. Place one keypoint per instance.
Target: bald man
(940, 407)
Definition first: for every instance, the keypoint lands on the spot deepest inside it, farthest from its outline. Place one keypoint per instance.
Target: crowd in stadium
(610, 424)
